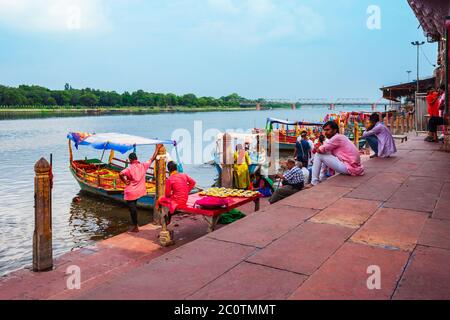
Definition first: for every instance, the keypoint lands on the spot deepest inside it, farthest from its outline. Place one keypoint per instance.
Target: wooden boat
(287, 132)
(102, 178)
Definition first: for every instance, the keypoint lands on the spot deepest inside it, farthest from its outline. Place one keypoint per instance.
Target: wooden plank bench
(211, 216)
(402, 138)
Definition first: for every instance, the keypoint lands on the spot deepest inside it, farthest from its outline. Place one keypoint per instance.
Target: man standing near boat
(135, 179)
(302, 149)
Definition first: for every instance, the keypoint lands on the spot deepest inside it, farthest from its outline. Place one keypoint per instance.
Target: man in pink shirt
(135, 177)
(338, 153)
(178, 187)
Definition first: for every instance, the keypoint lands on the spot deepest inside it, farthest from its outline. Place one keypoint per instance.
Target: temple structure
(434, 18)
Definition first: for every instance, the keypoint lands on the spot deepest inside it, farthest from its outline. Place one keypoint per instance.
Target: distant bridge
(361, 102)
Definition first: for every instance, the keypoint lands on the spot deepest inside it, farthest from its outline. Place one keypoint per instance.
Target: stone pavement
(322, 243)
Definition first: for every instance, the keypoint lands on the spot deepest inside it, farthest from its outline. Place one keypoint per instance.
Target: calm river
(24, 141)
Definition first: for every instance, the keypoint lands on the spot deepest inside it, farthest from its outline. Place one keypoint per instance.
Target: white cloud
(53, 15)
(256, 21)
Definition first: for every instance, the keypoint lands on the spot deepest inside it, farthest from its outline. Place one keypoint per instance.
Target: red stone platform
(322, 243)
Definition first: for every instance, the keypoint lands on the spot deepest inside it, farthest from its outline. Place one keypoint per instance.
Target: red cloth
(178, 187)
(433, 104)
(136, 175)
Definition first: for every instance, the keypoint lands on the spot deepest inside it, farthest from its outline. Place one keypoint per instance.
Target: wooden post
(70, 151)
(227, 162)
(397, 122)
(402, 125)
(391, 124)
(166, 236)
(160, 176)
(42, 237)
(356, 135)
(341, 127)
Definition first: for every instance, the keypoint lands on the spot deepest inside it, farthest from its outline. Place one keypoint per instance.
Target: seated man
(178, 187)
(338, 154)
(379, 138)
(293, 182)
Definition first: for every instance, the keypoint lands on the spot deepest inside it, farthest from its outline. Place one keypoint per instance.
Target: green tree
(89, 99)
(189, 100)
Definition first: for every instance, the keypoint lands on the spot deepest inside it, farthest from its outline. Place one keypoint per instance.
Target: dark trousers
(132, 205)
(434, 123)
(373, 143)
(283, 193)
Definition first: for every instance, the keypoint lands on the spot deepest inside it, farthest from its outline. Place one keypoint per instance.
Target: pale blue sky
(258, 48)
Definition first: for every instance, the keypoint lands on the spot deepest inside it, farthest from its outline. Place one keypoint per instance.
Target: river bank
(119, 110)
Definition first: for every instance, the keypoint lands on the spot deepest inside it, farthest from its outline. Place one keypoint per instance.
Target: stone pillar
(227, 162)
(160, 176)
(42, 237)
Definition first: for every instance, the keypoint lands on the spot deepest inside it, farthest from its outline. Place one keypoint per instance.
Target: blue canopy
(113, 141)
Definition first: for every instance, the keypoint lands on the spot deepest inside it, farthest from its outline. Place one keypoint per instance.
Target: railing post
(227, 162)
(160, 177)
(356, 135)
(42, 237)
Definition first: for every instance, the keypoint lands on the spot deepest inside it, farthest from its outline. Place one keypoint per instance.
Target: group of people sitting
(333, 153)
(436, 107)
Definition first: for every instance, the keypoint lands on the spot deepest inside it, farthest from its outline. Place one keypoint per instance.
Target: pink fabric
(178, 187)
(342, 148)
(136, 175)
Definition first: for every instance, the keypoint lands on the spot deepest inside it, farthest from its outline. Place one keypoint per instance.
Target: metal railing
(421, 111)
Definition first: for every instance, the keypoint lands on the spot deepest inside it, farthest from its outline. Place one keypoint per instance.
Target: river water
(24, 141)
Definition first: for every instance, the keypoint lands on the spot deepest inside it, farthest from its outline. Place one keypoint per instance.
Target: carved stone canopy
(431, 15)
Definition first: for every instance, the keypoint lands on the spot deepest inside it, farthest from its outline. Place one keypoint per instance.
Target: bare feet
(134, 229)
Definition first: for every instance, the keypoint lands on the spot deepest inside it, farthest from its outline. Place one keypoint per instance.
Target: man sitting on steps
(293, 182)
(338, 153)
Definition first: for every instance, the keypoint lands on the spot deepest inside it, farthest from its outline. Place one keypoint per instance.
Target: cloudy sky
(284, 49)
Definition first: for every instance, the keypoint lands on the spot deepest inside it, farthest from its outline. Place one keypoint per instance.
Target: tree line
(26, 95)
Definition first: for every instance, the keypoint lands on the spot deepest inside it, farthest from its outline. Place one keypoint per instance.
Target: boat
(352, 125)
(101, 178)
(287, 132)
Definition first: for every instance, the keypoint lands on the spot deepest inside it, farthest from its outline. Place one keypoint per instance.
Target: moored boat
(287, 132)
(101, 178)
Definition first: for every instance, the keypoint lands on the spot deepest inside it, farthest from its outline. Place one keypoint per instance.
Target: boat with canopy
(100, 177)
(287, 132)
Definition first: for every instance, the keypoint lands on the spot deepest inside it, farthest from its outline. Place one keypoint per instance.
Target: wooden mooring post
(356, 135)
(160, 178)
(227, 162)
(42, 237)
